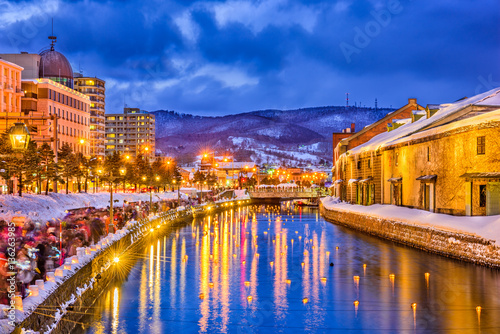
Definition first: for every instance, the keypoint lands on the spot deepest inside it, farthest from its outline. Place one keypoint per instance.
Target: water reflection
(215, 275)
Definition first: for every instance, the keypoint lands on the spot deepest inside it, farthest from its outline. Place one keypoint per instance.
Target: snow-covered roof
(287, 185)
(492, 116)
(236, 165)
(387, 138)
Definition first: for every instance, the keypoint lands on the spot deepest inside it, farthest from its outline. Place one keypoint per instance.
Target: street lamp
(123, 171)
(19, 136)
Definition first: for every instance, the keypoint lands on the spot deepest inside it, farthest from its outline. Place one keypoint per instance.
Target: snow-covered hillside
(301, 136)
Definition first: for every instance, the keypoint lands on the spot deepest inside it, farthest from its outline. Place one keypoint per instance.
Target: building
(444, 160)
(52, 109)
(130, 133)
(96, 90)
(229, 172)
(338, 136)
(11, 94)
(374, 129)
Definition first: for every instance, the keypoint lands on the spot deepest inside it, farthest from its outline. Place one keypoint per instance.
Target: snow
(43, 208)
(387, 138)
(488, 117)
(487, 227)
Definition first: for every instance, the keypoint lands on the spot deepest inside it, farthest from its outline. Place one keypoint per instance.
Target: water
(229, 273)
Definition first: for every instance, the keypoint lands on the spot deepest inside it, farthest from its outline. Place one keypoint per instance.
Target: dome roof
(55, 66)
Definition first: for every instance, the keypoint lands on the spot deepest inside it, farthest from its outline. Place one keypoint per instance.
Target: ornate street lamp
(19, 136)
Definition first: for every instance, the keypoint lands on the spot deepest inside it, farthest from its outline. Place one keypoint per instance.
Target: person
(25, 272)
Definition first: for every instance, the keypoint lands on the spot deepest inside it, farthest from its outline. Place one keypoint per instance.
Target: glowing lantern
(201, 296)
(33, 290)
(40, 283)
(247, 283)
(19, 136)
(249, 298)
(305, 300)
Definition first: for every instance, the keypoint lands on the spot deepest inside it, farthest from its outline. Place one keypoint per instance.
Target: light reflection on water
(252, 269)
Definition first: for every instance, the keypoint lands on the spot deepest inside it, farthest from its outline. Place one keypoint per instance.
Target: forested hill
(295, 137)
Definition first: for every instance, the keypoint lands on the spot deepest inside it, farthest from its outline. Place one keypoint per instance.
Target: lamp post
(19, 138)
(111, 226)
(123, 171)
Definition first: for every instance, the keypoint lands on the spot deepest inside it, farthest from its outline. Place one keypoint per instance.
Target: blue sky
(221, 57)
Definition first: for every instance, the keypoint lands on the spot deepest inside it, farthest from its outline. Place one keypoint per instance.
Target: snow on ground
(43, 208)
(487, 227)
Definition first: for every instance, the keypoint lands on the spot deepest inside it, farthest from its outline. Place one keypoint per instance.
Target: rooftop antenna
(376, 105)
(52, 37)
(347, 100)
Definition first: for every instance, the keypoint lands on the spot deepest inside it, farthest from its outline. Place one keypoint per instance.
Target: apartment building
(96, 90)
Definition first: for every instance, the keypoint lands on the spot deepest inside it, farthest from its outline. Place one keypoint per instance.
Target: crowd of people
(41, 247)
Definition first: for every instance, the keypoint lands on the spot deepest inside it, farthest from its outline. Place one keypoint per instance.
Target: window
(428, 153)
(481, 145)
(369, 163)
(397, 159)
(482, 195)
(359, 164)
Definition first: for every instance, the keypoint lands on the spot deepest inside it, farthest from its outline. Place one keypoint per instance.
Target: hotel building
(46, 92)
(131, 133)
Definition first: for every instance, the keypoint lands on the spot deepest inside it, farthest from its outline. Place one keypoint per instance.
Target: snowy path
(43, 208)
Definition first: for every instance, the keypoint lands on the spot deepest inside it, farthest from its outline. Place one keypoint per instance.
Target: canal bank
(73, 292)
(442, 241)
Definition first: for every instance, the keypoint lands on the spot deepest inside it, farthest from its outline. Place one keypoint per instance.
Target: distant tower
(347, 100)
(376, 105)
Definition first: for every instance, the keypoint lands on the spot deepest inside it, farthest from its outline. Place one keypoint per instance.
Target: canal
(268, 269)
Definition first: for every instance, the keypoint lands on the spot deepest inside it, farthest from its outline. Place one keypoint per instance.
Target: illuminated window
(481, 145)
(110, 135)
(111, 118)
(397, 159)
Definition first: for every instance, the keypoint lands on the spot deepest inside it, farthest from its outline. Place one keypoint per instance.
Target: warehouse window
(481, 145)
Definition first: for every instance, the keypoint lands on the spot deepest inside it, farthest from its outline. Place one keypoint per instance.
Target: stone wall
(461, 246)
(44, 315)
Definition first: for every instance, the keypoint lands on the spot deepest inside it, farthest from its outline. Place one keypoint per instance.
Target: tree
(67, 163)
(30, 165)
(7, 162)
(48, 164)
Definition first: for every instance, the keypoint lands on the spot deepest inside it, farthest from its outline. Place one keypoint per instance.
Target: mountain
(291, 137)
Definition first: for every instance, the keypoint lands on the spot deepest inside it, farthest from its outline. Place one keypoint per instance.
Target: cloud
(12, 12)
(258, 15)
(227, 56)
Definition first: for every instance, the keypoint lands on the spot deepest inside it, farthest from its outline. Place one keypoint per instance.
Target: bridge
(276, 194)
